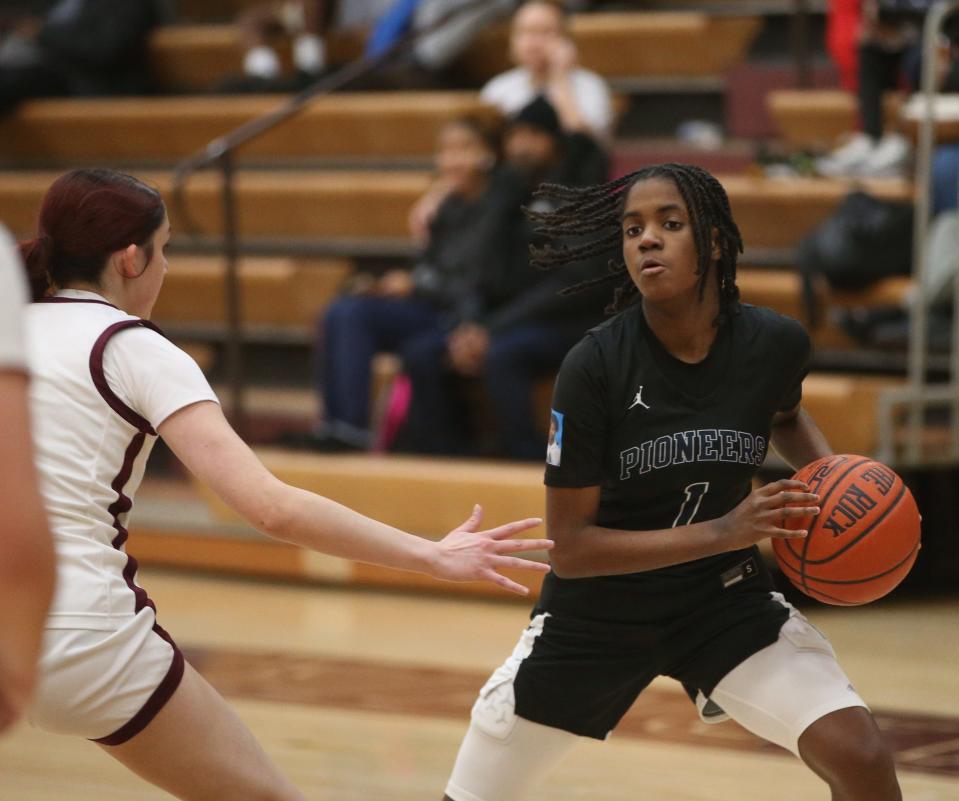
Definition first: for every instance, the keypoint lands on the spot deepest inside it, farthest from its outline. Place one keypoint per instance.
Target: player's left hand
(466, 554)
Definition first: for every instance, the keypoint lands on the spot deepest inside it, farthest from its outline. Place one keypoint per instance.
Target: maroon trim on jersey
(120, 506)
(100, 380)
(174, 675)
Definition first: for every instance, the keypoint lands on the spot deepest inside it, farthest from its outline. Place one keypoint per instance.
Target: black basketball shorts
(583, 675)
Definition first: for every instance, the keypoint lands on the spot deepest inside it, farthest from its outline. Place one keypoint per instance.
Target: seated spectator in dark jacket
(516, 327)
(396, 311)
(80, 48)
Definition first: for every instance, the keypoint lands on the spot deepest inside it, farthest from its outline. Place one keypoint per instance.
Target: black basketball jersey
(670, 444)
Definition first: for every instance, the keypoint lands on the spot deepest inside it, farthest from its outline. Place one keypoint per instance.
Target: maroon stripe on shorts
(156, 701)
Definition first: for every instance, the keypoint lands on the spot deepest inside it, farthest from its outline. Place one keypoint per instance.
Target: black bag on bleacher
(863, 240)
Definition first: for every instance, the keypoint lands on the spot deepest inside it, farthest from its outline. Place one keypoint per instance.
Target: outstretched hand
(466, 554)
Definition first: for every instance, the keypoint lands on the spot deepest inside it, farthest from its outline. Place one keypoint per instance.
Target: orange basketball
(865, 538)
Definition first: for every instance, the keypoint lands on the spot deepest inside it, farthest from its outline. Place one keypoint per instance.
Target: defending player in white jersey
(26, 554)
(106, 384)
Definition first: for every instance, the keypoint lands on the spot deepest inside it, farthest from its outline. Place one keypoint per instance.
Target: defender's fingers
(506, 584)
(513, 563)
(472, 522)
(509, 529)
(515, 546)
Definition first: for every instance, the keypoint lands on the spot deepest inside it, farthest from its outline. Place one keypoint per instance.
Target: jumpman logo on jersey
(639, 400)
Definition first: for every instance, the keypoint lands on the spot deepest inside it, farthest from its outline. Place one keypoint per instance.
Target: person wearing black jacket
(401, 308)
(516, 327)
(79, 48)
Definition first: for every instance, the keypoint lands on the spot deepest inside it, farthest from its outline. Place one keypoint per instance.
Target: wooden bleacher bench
(616, 45)
(372, 205)
(195, 58)
(782, 290)
(429, 496)
(374, 125)
(191, 538)
(365, 205)
(286, 294)
(778, 213)
(217, 10)
(815, 119)
(635, 45)
(283, 293)
(844, 407)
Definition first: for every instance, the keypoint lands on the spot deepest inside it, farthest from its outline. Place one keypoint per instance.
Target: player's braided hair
(598, 210)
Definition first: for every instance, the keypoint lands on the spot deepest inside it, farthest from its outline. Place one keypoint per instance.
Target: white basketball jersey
(102, 381)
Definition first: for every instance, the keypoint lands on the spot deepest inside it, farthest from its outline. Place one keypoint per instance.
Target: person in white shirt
(545, 56)
(26, 551)
(106, 383)
(545, 59)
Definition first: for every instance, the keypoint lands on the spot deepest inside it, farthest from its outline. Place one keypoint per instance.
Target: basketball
(864, 540)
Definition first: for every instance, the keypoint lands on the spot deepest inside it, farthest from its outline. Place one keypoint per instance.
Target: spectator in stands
(307, 22)
(393, 312)
(843, 22)
(516, 328)
(546, 64)
(546, 59)
(80, 48)
(888, 54)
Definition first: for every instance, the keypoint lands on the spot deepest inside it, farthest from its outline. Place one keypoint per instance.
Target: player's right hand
(763, 512)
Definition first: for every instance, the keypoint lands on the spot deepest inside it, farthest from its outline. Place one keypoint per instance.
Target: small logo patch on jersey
(741, 572)
(638, 400)
(554, 447)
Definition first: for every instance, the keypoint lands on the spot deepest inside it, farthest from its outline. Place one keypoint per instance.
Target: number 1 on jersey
(690, 505)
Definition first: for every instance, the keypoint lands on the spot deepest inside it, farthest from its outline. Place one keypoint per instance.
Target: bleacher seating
(339, 180)
(617, 45)
(373, 205)
(338, 205)
(650, 45)
(277, 294)
(817, 118)
(371, 126)
(782, 290)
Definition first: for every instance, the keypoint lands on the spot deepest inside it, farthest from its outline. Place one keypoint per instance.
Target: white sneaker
(889, 159)
(845, 161)
(261, 62)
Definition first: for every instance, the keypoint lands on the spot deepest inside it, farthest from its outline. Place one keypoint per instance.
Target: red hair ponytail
(85, 216)
(37, 255)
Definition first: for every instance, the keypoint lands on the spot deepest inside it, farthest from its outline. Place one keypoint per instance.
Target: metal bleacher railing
(919, 395)
(221, 154)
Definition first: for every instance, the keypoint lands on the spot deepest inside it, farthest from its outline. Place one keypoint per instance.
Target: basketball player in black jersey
(661, 417)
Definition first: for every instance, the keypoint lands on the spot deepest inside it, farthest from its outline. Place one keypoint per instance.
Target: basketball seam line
(863, 580)
(876, 522)
(822, 505)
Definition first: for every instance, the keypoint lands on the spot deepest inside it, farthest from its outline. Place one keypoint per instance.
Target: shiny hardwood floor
(364, 695)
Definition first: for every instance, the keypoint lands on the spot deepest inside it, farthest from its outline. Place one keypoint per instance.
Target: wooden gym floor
(364, 695)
